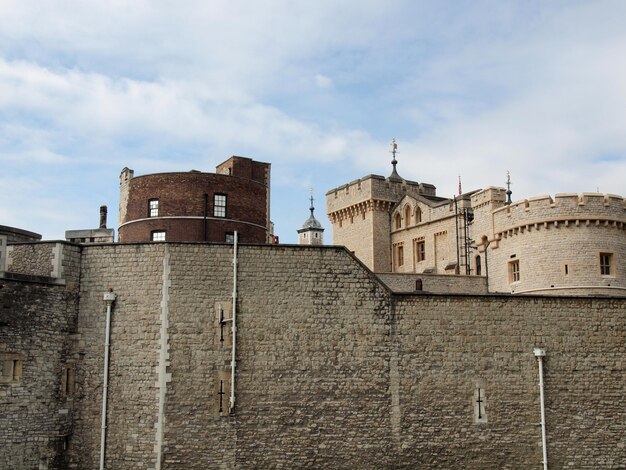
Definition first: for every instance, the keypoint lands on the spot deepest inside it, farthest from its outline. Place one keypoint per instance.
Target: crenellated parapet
(605, 210)
(370, 193)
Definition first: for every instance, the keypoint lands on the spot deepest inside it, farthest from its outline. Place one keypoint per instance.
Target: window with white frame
(158, 236)
(514, 273)
(153, 208)
(219, 205)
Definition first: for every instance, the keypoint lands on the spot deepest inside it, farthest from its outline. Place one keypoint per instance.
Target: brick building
(569, 244)
(197, 206)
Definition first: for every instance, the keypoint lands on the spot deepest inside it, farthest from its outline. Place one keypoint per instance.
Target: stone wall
(333, 370)
(37, 329)
(435, 283)
(31, 258)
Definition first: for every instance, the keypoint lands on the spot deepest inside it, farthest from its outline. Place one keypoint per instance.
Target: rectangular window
(229, 237)
(399, 254)
(420, 250)
(153, 208)
(514, 274)
(606, 261)
(11, 368)
(219, 205)
(158, 236)
(67, 381)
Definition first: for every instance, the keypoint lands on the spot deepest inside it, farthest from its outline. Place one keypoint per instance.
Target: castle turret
(311, 232)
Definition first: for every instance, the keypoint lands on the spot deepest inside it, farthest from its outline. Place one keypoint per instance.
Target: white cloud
(537, 89)
(322, 81)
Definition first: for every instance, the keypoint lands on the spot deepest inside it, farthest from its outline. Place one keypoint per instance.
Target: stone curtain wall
(334, 371)
(135, 273)
(37, 323)
(448, 344)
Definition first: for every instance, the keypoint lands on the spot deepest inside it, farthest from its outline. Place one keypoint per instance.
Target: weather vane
(508, 187)
(394, 162)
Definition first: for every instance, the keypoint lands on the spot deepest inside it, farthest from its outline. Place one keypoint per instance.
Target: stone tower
(361, 213)
(311, 232)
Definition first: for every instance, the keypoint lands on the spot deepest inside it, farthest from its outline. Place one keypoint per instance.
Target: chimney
(103, 216)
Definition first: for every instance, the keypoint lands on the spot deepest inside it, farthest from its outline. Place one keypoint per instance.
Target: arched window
(418, 215)
(407, 215)
(479, 267)
(398, 221)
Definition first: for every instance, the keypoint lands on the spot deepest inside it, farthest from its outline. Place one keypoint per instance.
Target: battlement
(374, 187)
(492, 195)
(563, 207)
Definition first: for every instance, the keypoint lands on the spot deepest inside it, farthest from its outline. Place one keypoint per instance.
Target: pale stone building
(312, 232)
(570, 244)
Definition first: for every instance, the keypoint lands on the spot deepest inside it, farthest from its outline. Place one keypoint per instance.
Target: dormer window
(153, 208)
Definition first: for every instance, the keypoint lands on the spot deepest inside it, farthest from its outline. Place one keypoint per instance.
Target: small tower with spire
(311, 232)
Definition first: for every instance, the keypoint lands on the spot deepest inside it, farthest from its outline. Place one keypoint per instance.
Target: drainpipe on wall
(539, 354)
(109, 298)
(206, 205)
(231, 406)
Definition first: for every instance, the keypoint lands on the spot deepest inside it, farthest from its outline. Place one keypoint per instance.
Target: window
(399, 254)
(158, 236)
(418, 215)
(67, 381)
(606, 261)
(407, 215)
(514, 275)
(229, 237)
(219, 205)
(398, 221)
(153, 208)
(479, 267)
(420, 250)
(11, 368)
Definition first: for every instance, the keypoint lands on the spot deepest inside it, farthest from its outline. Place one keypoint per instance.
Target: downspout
(457, 270)
(109, 298)
(539, 354)
(206, 203)
(231, 406)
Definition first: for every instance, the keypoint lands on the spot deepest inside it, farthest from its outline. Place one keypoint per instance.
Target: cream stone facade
(571, 244)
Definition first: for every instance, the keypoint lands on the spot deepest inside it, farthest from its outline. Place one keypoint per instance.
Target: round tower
(311, 232)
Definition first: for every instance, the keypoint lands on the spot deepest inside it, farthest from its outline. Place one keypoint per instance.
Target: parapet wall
(57, 261)
(372, 187)
(564, 207)
(435, 283)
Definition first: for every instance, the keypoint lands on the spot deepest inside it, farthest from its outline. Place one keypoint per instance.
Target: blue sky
(318, 89)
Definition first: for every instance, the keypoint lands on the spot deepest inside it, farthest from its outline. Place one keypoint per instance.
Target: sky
(317, 89)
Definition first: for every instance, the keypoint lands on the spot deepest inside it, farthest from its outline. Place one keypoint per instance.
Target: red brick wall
(182, 194)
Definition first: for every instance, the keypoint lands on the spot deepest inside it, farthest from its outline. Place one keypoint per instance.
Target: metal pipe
(457, 270)
(231, 406)
(539, 354)
(206, 204)
(109, 298)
